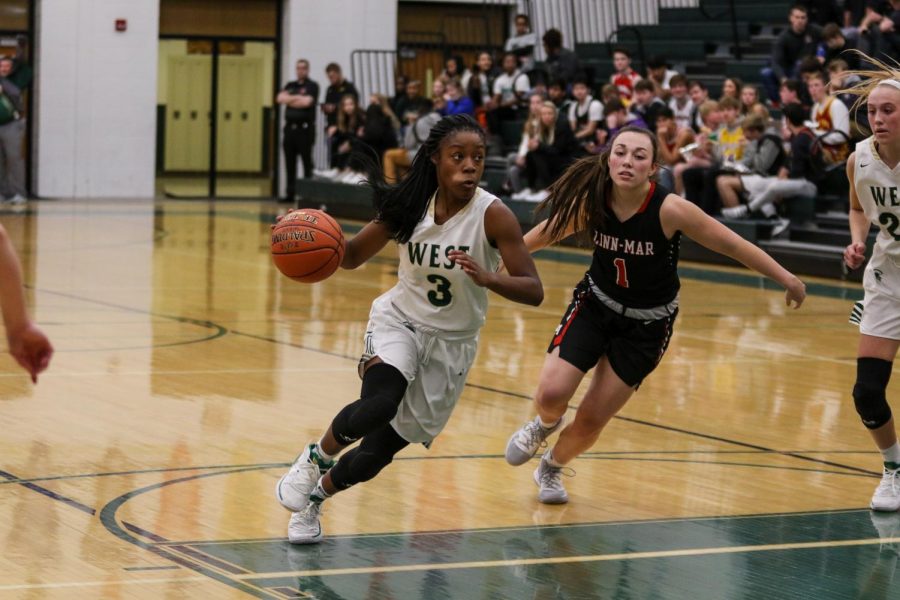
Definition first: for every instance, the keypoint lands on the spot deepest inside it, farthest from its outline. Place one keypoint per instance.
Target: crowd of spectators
(757, 144)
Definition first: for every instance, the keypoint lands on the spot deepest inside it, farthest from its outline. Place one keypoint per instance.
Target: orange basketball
(307, 245)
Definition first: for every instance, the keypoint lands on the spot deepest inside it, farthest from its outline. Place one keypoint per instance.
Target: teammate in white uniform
(422, 333)
(874, 173)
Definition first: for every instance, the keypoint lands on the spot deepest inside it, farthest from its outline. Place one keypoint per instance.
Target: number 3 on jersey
(621, 273)
(440, 295)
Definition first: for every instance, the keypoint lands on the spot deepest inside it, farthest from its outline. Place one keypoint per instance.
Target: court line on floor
(613, 455)
(82, 584)
(698, 434)
(10, 478)
(574, 559)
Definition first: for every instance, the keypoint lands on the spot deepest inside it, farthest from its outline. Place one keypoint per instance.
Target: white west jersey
(435, 292)
(878, 190)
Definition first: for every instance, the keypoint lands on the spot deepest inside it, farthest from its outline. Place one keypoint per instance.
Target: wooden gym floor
(189, 373)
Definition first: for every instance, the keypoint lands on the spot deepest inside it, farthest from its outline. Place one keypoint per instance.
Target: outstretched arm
(27, 343)
(521, 282)
(677, 214)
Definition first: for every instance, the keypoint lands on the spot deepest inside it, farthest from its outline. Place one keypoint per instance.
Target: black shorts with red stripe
(589, 330)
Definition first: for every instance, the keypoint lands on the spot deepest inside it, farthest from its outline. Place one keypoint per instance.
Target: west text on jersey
(885, 196)
(431, 254)
(625, 246)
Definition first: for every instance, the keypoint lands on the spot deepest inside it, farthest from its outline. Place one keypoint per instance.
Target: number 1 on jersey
(621, 274)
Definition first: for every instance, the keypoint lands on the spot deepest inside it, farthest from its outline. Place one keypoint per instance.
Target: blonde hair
(535, 128)
(871, 78)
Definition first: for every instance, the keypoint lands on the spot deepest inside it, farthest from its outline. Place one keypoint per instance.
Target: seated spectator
(550, 151)
(561, 62)
(660, 75)
(515, 165)
(416, 134)
(556, 93)
(347, 131)
(409, 107)
(680, 102)
(609, 92)
(585, 115)
(699, 94)
(700, 153)
(624, 76)
(454, 70)
(457, 102)
(381, 126)
(438, 94)
(833, 47)
(671, 140)
(522, 44)
(731, 87)
(791, 92)
(798, 179)
(615, 117)
(510, 89)
(827, 112)
(879, 30)
(479, 81)
(839, 79)
(334, 94)
(645, 104)
(797, 41)
(749, 97)
(399, 93)
(700, 183)
(764, 155)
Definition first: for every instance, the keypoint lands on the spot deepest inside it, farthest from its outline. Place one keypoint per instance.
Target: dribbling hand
(31, 349)
(855, 255)
(481, 277)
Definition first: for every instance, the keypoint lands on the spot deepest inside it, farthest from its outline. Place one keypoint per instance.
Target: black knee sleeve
(872, 377)
(376, 451)
(383, 387)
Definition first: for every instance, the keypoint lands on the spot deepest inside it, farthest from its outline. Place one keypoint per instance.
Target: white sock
(892, 454)
(548, 456)
(322, 454)
(546, 425)
(319, 494)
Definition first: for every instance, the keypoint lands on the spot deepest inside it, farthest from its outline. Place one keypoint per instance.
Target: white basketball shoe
(527, 440)
(887, 495)
(295, 486)
(305, 526)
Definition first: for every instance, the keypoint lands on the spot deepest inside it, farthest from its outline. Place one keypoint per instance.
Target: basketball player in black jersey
(622, 312)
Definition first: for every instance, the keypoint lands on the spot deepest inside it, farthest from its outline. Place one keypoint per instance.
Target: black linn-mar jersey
(634, 263)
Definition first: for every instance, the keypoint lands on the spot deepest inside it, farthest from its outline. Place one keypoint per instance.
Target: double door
(218, 118)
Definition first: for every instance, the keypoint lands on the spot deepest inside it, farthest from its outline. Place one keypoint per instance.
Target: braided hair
(401, 206)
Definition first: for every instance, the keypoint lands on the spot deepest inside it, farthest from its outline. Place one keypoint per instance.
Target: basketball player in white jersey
(874, 174)
(422, 333)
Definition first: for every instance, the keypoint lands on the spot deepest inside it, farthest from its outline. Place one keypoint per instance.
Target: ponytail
(581, 195)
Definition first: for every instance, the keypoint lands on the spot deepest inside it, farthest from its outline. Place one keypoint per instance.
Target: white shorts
(881, 304)
(435, 367)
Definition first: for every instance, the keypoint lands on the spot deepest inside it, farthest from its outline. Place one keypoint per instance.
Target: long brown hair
(581, 194)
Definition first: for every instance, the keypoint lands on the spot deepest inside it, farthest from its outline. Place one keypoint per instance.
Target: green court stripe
(573, 559)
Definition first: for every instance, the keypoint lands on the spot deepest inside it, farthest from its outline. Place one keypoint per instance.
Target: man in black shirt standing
(299, 98)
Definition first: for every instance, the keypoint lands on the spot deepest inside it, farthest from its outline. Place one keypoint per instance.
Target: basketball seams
(303, 249)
